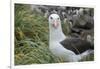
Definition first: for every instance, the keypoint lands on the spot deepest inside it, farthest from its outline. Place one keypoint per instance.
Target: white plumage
(56, 36)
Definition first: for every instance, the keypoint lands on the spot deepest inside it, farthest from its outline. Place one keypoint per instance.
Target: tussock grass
(31, 38)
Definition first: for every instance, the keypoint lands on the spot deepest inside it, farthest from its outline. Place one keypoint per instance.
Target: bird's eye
(58, 18)
(51, 18)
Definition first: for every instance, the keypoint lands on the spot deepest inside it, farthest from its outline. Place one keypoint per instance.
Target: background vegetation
(31, 37)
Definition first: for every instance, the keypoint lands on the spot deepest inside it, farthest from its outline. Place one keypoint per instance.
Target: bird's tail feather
(85, 54)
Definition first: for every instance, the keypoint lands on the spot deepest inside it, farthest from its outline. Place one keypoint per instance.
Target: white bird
(70, 49)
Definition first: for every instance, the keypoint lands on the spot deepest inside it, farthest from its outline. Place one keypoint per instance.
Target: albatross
(69, 49)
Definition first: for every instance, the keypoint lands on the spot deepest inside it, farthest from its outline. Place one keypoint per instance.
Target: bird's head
(54, 20)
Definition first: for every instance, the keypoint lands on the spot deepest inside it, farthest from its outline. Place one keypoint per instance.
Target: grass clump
(31, 37)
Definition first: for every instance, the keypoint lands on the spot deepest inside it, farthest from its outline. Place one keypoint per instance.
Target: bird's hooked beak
(55, 23)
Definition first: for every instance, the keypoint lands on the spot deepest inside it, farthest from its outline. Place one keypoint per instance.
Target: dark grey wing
(76, 45)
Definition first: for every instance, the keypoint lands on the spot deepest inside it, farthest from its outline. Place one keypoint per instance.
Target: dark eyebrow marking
(51, 17)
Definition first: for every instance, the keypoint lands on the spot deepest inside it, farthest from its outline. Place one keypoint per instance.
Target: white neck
(56, 34)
